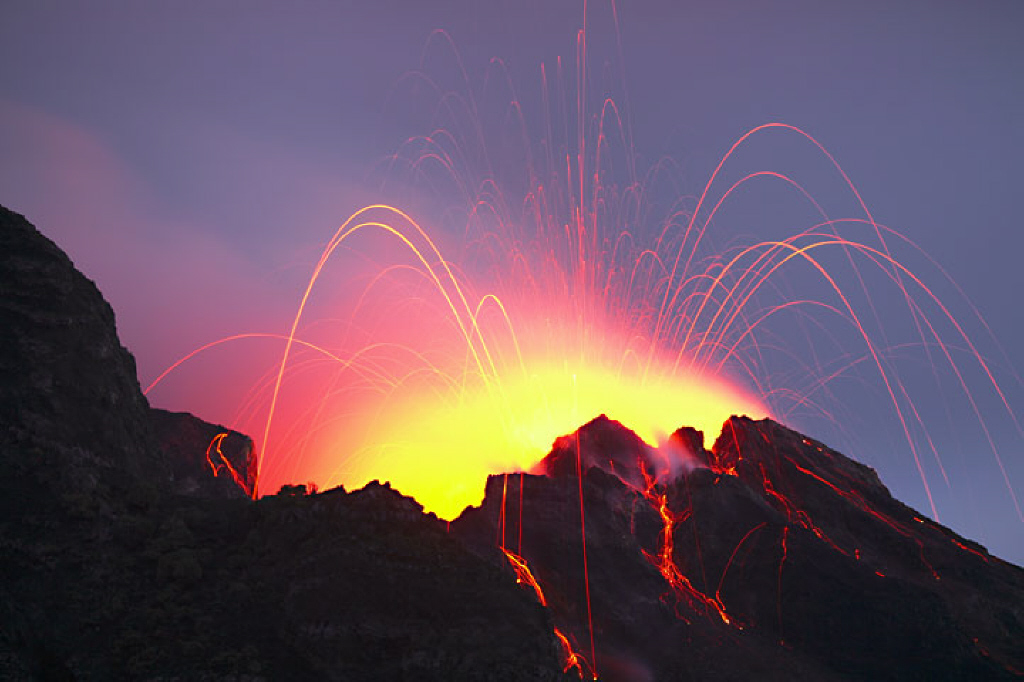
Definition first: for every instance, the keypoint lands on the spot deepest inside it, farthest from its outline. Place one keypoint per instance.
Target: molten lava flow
(665, 560)
(570, 659)
(524, 576)
(223, 464)
(778, 602)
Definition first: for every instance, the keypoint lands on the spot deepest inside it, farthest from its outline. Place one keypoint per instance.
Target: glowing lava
(442, 452)
(571, 660)
(431, 384)
(575, 284)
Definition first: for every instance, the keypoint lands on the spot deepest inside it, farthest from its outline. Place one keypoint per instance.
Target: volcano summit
(131, 549)
(770, 557)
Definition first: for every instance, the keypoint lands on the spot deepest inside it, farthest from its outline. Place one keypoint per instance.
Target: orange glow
(524, 576)
(223, 464)
(452, 384)
(441, 449)
(573, 286)
(665, 560)
(435, 385)
(436, 374)
(572, 660)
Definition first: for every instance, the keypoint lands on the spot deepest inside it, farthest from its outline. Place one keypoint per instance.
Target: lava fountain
(572, 288)
(451, 385)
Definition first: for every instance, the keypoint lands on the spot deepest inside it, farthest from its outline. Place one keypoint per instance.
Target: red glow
(572, 660)
(583, 538)
(524, 576)
(432, 365)
(458, 386)
(665, 560)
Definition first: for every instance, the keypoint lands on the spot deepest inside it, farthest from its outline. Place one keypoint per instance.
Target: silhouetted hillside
(130, 547)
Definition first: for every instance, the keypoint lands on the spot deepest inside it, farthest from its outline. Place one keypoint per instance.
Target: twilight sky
(193, 157)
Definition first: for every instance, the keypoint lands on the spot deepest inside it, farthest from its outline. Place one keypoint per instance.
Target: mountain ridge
(131, 547)
(796, 555)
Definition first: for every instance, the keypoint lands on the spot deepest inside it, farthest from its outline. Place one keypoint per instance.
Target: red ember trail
(434, 367)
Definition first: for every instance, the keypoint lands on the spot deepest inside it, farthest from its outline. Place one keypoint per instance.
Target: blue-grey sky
(201, 151)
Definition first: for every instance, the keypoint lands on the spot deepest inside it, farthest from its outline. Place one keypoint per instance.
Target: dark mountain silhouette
(130, 547)
(784, 560)
(123, 555)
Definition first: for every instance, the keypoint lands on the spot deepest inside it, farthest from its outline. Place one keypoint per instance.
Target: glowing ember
(435, 391)
(571, 660)
(524, 576)
(582, 292)
(222, 463)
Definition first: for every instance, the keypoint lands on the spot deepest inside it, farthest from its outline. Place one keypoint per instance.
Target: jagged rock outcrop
(70, 404)
(203, 459)
(371, 588)
(769, 557)
(922, 574)
(605, 444)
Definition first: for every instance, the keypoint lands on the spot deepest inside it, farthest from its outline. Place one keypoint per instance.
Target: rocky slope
(123, 555)
(130, 547)
(70, 404)
(204, 460)
(768, 557)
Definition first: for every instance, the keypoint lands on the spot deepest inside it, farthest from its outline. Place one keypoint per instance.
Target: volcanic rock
(123, 555)
(371, 588)
(769, 557)
(204, 460)
(129, 547)
(602, 443)
(70, 403)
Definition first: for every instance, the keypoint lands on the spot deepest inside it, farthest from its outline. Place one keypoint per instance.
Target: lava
(665, 559)
(222, 463)
(571, 659)
(431, 353)
(524, 576)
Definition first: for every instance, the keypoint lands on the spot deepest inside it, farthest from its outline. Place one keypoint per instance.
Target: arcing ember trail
(438, 366)
(130, 551)
(591, 294)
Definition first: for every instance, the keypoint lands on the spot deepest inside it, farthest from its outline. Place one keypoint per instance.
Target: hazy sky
(192, 156)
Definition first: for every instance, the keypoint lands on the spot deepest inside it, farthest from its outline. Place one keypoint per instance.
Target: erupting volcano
(448, 363)
(568, 281)
(475, 447)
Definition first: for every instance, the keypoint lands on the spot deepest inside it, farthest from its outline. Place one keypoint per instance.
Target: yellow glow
(438, 385)
(441, 451)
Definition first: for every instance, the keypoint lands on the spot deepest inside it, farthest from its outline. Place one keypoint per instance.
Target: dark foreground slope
(122, 555)
(770, 557)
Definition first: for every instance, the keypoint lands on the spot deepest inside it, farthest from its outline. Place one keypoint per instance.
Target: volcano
(769, 556)
(132, 547)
